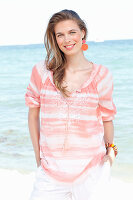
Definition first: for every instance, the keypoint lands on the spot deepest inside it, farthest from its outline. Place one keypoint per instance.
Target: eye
(72, 32)
(59, 35)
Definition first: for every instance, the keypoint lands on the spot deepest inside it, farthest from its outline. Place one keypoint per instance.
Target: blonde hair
(55, 59)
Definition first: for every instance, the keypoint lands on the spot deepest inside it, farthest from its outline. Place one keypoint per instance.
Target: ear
(83, 33)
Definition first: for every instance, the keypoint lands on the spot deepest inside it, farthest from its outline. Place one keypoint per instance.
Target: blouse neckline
(84, 85)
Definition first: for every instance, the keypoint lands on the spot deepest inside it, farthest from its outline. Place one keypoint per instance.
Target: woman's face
(69, 37)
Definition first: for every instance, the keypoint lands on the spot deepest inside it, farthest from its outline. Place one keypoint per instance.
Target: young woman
(73, 147)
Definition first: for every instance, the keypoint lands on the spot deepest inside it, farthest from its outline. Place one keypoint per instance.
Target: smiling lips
(69, 47)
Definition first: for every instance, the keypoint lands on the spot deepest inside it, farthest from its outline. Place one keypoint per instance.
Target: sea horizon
(100, 41)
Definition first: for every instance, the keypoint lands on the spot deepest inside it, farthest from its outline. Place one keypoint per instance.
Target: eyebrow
(68, 31)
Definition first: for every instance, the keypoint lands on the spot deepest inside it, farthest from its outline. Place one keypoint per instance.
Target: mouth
(69, 47)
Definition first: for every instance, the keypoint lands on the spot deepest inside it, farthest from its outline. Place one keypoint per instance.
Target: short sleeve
(105, 93)
(32, 96)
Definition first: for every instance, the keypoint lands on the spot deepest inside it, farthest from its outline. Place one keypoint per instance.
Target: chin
(71, 53)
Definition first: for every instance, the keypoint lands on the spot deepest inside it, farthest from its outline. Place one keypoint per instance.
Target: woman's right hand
(38, 163)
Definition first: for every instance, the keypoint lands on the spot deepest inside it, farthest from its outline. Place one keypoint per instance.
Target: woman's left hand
(109, 157)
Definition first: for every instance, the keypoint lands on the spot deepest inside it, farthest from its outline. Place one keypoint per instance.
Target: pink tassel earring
(84, 46)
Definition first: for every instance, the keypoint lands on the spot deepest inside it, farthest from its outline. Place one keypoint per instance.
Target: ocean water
(16, 62)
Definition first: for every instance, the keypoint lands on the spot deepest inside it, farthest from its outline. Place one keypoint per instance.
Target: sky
(25, 21)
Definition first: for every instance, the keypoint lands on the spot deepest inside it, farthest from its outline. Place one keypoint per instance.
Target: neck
(76, 62)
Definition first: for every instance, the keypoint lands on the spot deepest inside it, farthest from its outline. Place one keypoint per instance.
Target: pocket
(106, 166)
(107, 163)
(106, 172)
(37, 170)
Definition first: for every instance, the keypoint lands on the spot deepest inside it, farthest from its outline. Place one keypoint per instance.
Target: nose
(67, 38)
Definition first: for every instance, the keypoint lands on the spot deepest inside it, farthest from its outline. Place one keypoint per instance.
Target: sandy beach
(18, 186)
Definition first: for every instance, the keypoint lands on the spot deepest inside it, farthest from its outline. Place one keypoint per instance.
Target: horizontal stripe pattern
(73, 128)
(104, 84)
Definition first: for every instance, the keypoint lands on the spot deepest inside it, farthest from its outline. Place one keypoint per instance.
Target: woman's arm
(34, 129)
(109, 138)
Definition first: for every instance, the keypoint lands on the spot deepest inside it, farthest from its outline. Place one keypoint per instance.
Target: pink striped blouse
(71, 129)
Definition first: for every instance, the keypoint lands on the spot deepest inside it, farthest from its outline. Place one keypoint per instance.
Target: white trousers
(94, 187)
